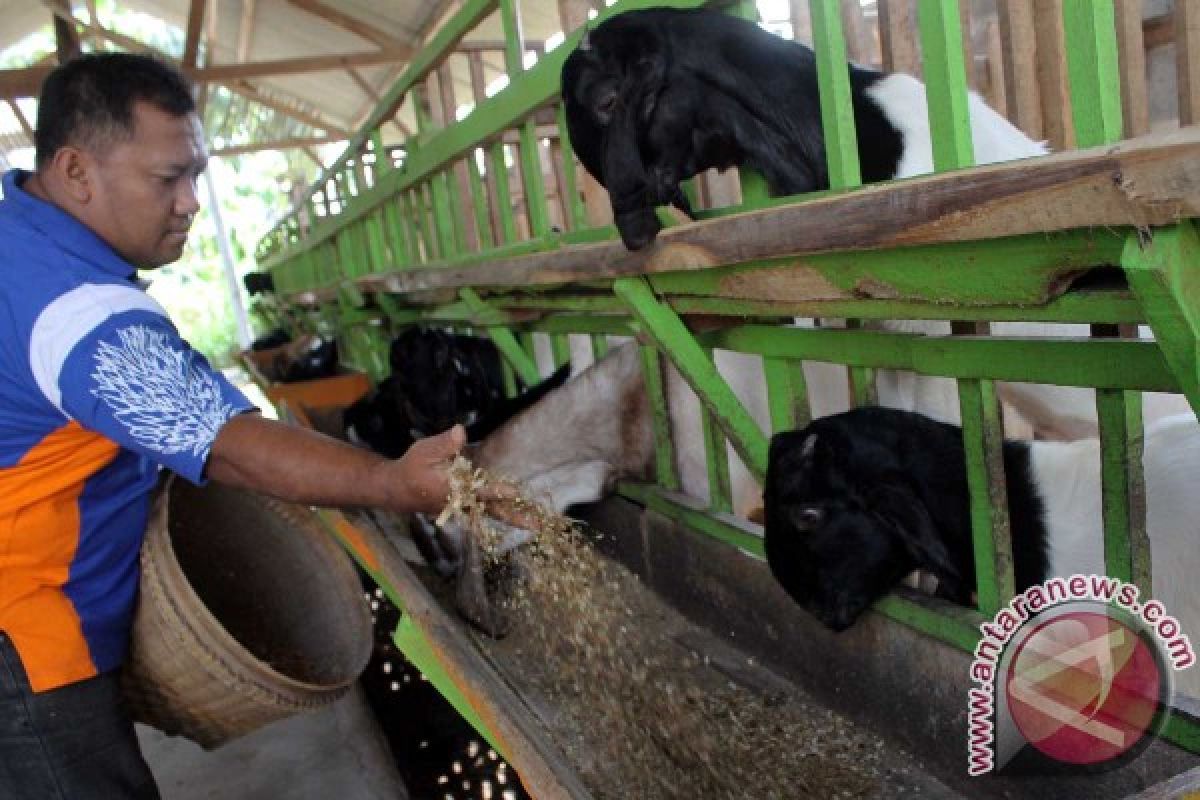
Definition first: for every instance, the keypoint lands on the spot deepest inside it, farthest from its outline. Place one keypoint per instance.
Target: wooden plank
(541, 767)
(1158, 184)
(22, 120)
(996, 93)
(245, 30)
(464, 208)
(1187, 60)
(277, 144)
(1019, 43)
(860, 39)
(1057, 128)
(191, 40)
(898, 36)
(1131, 52)
(351, 23)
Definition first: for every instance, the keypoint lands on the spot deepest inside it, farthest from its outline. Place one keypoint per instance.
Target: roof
(276, 74)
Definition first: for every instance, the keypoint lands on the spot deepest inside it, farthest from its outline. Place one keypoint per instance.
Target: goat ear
(909, 517)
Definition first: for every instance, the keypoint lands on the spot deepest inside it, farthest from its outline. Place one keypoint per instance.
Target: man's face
(144, 189)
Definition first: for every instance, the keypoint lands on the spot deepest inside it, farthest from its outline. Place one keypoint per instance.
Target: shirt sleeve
(132, 378)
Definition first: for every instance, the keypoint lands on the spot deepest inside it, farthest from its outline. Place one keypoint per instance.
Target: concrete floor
(335, 752)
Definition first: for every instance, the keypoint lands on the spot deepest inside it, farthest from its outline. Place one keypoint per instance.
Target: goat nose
(638, 228)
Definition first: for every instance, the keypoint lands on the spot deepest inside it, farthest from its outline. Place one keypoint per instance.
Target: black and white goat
(654, 97)
(856, 501)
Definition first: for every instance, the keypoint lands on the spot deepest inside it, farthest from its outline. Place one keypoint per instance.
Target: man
(100, 392)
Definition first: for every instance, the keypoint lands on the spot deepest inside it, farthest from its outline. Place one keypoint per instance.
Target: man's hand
(422, 476)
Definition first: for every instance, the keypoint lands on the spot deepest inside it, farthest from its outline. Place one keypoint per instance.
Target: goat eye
(806, 518)
(605, 105)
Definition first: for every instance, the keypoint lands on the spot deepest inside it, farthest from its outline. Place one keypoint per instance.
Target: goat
(258, 283)
(654, 97)
(856, 501)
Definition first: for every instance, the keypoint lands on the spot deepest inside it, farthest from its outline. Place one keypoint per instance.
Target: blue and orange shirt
(99, 391)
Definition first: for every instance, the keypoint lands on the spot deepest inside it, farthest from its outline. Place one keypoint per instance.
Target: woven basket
(248, 612)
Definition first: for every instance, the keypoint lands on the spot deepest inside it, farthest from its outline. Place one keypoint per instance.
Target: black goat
(258, 283)
(654, 97)
(857, 500)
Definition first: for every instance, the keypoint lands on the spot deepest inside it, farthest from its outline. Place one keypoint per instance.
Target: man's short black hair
(88, 102)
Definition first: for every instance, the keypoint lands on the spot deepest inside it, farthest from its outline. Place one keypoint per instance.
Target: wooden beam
(191, 40)
(1058, 125)
(21, 119)
(27, 81)
(353, 24)
(897, 36)
(281, 144)
(312, 154)
(1145, 182)
(497, 45)
(294, 66)
(362, 84)
(1018, 38)
(245, 30)
(1158, 31)
(1187, 60)
(1131, 52)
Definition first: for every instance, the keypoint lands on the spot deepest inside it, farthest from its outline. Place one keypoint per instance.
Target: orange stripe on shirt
(39, 533)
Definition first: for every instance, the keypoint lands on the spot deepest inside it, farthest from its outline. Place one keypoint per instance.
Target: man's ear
(72, 169)
(898, 505)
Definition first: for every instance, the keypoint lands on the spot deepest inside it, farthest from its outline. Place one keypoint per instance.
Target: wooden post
(572, 14)
(1131, 50)
(1187, 59)
(1019, 42)
(898, 36)
(996, 95)
(463, 206)
(1058, 127)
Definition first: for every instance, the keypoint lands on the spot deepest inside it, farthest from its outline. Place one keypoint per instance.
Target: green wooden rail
(387, 210)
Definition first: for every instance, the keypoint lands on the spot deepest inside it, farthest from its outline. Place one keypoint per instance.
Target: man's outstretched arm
(299, 465)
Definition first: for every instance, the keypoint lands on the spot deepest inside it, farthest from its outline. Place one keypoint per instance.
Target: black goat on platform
(655, 97)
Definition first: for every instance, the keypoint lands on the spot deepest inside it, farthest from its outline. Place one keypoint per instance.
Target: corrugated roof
(278, 43)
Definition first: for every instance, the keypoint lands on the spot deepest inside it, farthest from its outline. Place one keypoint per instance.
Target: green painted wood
(1126, 545)
(1092, 71)
(1110, 306)
(395, 236)
(670, 336)
(1021, 270)
(444, 216)
(496, 165)
(687, 510)
(1162, 274)
(534, 183)
(560, 347)
(1112, 364)
(862, 379)
(410, 641)
(716, 460)
(983, 443)
(833, 79)
(510, 378)
(460, 214)
(576, 213)
(664, 445)
(483, 224)
(946, 83)
(507, 109)
(506, 343)
(432, 251)
(787, 394)
(599, 346)
(592, 324)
